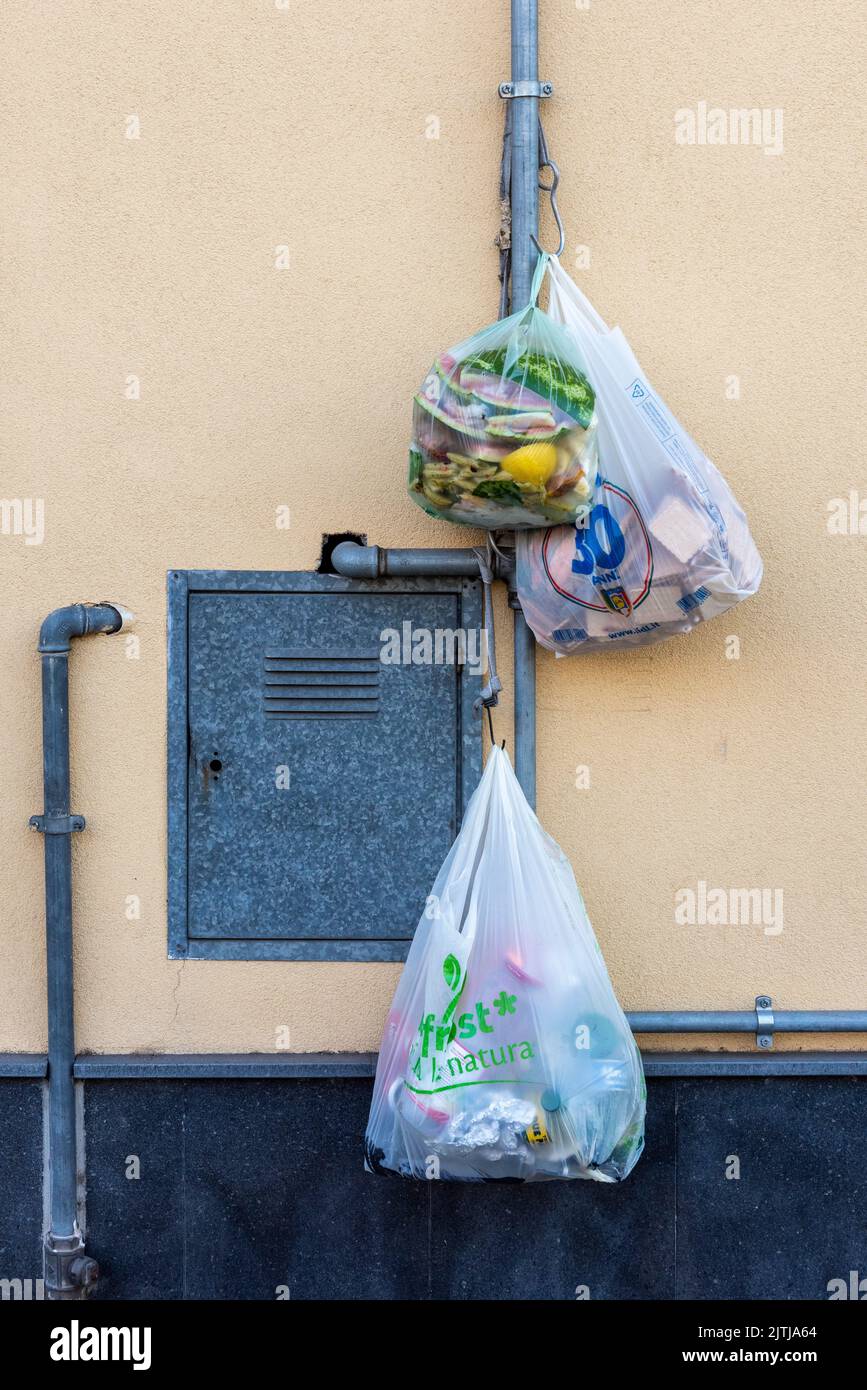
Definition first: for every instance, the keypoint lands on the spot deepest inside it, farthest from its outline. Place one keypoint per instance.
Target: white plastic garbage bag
(665, 545)
(505, 1055)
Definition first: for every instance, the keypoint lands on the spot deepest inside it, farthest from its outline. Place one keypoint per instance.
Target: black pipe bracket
(57, 825)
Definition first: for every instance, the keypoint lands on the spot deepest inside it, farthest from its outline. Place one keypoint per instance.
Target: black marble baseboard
(255, 1190)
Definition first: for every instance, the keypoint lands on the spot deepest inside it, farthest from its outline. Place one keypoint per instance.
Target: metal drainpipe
(69, 1273)
(525, 222)
(525, 149)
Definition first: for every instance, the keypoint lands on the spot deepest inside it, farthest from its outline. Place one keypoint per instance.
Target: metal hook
(491, 730)
(545, 162)
(552, 189)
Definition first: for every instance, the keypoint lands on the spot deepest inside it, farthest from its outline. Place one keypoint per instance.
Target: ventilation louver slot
(318, 685)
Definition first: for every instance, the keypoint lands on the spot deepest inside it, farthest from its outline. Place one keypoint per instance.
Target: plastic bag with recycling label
(504, 427)
(664, 545)
(506, 1055)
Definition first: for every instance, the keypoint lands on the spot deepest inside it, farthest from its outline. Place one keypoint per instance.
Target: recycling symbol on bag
(611, 567)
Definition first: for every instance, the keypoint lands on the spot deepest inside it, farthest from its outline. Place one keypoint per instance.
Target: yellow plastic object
(537, 1133)
(533, 463)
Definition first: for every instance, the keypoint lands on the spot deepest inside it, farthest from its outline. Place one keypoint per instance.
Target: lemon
(533, 463)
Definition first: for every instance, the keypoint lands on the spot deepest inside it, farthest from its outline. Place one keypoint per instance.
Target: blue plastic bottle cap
(550, 1100)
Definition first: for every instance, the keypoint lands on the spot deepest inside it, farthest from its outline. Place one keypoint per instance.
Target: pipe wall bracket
(540, 90)
(57, 825)
(764, 1022)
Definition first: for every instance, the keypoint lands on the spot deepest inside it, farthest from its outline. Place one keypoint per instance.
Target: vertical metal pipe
(69, 1272)
(58, 923)
(525, 149)
(525, 221)
(525, 707)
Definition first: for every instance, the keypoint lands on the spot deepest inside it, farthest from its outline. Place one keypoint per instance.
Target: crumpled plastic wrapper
(496, 1126)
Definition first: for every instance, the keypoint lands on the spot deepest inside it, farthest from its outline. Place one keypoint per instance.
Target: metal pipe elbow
(356, 561)
(80, 620)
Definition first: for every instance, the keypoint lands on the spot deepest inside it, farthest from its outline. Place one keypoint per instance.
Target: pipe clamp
(764, 1021)
(539, 90)
(57, 825)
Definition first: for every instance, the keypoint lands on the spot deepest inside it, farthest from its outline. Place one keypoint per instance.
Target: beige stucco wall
(305, 126)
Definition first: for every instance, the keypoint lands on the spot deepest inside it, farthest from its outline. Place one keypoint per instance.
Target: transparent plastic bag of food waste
(506, 1055)
(504, 427)
(665, 545)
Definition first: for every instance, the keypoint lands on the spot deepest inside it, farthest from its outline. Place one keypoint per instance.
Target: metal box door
(314, 788)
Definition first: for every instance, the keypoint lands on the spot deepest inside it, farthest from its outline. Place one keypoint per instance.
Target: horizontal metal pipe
(294, 1066)
(785, 1021)
(355, 561)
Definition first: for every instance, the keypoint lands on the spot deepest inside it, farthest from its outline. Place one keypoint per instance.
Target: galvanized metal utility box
(314, 787)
